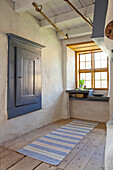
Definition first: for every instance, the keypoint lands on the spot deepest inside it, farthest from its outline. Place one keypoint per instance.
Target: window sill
(88, 97)
(98, 99)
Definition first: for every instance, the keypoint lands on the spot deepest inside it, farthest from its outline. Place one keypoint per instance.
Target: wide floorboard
(88, 154)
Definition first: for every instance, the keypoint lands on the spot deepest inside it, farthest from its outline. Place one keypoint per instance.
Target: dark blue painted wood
(24, 40)
(99, 18)
(18, 103)
(26, 76)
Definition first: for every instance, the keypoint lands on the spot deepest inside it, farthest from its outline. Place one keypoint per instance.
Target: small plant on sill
(81, 84)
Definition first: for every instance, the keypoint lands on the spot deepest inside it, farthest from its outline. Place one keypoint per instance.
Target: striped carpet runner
(54, 147)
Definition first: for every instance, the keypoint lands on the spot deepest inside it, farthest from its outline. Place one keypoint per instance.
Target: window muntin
(85, 61)
(93, 68)
(87, 78)
(100, 59)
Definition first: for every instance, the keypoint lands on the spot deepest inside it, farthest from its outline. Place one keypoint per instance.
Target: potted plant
(81, 83)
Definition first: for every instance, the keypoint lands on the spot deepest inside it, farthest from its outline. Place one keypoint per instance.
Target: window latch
(20, 77)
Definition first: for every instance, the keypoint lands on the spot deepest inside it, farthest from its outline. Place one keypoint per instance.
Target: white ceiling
(60, 13)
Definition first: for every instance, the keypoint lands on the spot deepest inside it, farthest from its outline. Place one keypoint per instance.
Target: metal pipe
(91, 25)
(40, 11)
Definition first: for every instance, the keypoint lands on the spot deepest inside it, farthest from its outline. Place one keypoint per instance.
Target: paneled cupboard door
(24, 76)
(27, 64)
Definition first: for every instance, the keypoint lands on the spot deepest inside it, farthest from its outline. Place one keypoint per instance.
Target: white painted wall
(70, 69)
(55, 72)
(111, 88)
(26, 26)
(76, 108)
(89, 110)
(68, 60)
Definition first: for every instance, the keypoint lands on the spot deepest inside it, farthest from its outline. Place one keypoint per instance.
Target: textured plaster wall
(111, 88)
(70, 69)
(98, 111)
(26, 26)
(90, 110)
(68, 57)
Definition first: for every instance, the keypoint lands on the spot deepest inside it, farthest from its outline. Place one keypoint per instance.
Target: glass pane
(82, 65)
(97, 64)
(104, 84)
(103, 56)
(97, 84)
(104, 75)
(97, 76)
(88, 84)
(82, 57)
(88, 76)
(104, 64)
(82, 76)
(88, 57)
(97, 56)
(88, 65)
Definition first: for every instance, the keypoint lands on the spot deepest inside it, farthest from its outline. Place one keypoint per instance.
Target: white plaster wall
(70, 69)
(67, 58)
(109, 146)
(26, 26)
(90, 110)
(111, 88)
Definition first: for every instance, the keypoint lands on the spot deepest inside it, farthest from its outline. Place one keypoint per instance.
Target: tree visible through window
(93, 68)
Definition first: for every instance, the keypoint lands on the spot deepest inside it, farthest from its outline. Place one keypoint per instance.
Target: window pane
(104, 64)
(103, 56)
(82, 57)
(97, 76)
(101, 80)
(88, 76)
(82, 76)
(97, 56)
(88, 57)
(104, 75)
(88, 65)
(97, 64)
(82, 65)
(97, 84)
(88, 84)
(104, 84)
(100, 64)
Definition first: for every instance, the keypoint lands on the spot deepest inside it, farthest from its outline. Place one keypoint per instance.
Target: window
(93, 68)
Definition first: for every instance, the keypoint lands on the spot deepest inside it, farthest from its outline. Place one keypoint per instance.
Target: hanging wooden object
(108, 38)
(85, 19)
(109, 30)
(38, 8)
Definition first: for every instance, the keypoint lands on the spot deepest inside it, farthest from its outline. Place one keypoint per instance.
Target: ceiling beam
(68, 16)
(77, 32)
(79, 13)
(25, 5)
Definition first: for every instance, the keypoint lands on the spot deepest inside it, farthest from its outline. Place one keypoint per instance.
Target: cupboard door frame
(32, 103)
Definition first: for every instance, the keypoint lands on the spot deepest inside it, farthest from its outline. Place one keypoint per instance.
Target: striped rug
(54, 147)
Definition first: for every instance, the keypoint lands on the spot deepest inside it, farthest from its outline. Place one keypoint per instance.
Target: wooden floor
(88, 154)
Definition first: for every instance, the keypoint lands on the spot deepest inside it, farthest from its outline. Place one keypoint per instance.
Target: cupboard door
(26, 77)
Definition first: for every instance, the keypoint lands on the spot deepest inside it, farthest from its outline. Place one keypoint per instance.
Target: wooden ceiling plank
(68, 16)
(87, 47)
(86, 2)
(77, 32)
(81, 47)
(25, 5)
(81, 44)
